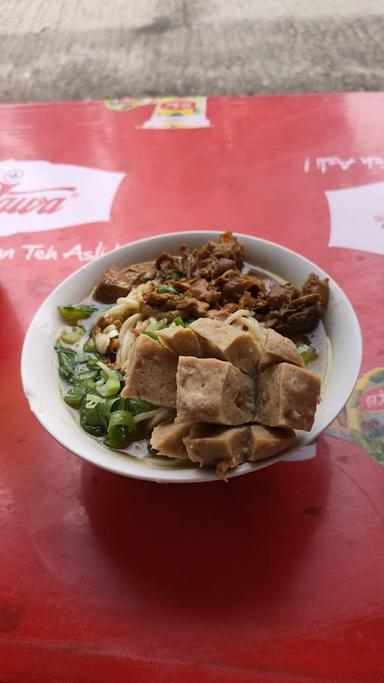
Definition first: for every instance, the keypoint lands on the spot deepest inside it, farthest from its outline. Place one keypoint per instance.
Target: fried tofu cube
(268, 441)
(218, 340)
(279, 349)
(151, 373)
(181, 340)
(224, 447)
(214, 391)
(167, 438)
(287, 396)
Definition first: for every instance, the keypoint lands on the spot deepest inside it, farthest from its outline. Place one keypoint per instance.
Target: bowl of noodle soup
(337, 363)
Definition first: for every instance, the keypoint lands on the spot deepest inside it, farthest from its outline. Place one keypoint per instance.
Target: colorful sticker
(128, 103)
(362, 418)
(185, 112)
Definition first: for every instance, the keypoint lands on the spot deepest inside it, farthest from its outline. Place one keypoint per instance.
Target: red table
(276, 576)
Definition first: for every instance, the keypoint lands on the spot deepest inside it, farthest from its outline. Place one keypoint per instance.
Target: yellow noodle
(127, 304)
(126, 338)
(238, 314)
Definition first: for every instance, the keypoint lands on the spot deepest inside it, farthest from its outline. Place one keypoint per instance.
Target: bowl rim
(199, 475)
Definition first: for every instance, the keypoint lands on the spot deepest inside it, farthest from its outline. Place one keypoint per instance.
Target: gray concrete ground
(75, 49)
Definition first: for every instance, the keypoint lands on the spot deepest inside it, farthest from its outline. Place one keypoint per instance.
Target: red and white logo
(372, 400)
(38, 195)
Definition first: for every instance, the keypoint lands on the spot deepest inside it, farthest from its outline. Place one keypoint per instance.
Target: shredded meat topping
(292, 312)
(210, 281)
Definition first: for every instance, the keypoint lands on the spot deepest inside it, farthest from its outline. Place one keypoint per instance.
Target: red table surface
(276, 576)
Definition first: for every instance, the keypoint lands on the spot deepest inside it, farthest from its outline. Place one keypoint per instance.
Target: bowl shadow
(212, 548)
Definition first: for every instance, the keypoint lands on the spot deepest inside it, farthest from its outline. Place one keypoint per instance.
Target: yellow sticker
(179, 112)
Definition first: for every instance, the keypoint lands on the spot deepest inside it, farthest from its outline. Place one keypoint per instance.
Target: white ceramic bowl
(39, 373)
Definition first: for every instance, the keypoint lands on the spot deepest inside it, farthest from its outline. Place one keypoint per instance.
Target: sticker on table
(362, 418)
(38, 195)
(357, 218)
(128, 103)
(186, 112)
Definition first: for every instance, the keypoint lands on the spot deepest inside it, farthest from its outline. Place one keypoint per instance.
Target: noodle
(156, 416)
(128, 304)
(126, 338)
(242, 313)
(245, 319)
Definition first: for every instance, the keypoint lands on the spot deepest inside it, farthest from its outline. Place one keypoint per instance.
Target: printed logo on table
(39, 195)
(357, 218)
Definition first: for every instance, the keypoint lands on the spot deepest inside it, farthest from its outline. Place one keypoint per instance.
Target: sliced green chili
(72, 314)
(138, 405)
(71, 336)
(307, 352)
(153, 335)
(167, 289)
(109, 384)
(120, 424)
(180, 322)
(89, 346)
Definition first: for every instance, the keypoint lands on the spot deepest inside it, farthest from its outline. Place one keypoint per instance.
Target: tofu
(287, 396)
(218, 340)
(266, 442)
(168, 438)
(151, 373)
(213, 391)
(279, 349)
(181, 340)
(224, 447)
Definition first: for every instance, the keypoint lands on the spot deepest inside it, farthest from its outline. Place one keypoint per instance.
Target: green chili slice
(167, 289)
(307, 352)
(138, 405)
(72, 314)
(120, 424)
(71, 336)
(109, 384)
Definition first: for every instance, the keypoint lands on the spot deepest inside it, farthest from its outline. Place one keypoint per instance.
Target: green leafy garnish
(95, 413)
(120, 424)
(153, 335)
(80, 388)
(72, 314)
(176, 275)
(67, 362)
(72, 336)
(307, 352)
(90, 419)
(90, 346)
(95, 392)
(109, 384)
(138, 405)
(180, 322)
(86, 374)
(167, 289)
